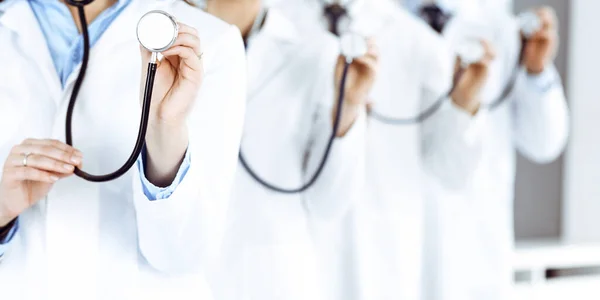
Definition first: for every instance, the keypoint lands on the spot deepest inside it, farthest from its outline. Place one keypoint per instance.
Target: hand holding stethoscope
(541, 46)
(470, 77)
(360, 79)
(354, 76)
(34, 165)
(179, 76)
(475, 52)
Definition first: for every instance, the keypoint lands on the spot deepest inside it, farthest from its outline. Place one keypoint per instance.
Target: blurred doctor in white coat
(151, 233)
(268, 252)
(470, 235)
(375, 251)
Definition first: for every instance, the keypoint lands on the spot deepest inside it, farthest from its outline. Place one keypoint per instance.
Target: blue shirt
(62, 36)
(65, 44)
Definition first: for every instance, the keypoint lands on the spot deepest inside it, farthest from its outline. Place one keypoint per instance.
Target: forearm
(5, 219)
(166, 146)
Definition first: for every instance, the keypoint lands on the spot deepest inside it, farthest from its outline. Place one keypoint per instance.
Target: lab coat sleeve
(154, 192)
(541, 118)
(451, 141)
(341, 181)
(184, 233)
(5, 241)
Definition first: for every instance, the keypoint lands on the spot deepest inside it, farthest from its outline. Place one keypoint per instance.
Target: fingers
(52, 149)
(544, 35)
(489, 53)
(548, 17)
(187, 47)
(183, 28)
(371, 58)
(54, 143)
(188, 55)
(188, 40)
(47, 161)
(32, 174)
(41, 162)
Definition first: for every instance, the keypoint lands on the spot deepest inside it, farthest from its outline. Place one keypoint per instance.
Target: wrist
(5, 215)
(534, 69)
(165, 149)
(5, 220)
(166, 135)
(469, 104)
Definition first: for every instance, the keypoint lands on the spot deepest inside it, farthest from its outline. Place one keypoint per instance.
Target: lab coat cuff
(468, 126)
(153, 192)
(544, 81)
(5, 241)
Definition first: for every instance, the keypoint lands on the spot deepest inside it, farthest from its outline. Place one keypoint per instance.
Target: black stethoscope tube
(140, 142)
(259, 22)
(430, 111)
(313, 179)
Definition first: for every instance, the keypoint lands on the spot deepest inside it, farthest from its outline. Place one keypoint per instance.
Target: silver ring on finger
(200, 56)
(25, 158)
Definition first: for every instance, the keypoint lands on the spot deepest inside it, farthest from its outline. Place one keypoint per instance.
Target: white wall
(581, 215)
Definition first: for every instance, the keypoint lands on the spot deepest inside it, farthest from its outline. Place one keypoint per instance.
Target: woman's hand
(542, 47)
(178, 79)
(359, 81)
(29, 172)
(467, 93)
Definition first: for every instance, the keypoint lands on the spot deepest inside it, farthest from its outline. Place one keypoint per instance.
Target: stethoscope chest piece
(470, 51)
(353, 45)
(529, 23)
(157, 31)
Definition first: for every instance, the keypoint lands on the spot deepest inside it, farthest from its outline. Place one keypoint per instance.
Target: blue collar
(64, 41)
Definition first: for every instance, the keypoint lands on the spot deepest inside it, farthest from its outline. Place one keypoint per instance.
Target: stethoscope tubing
(313, 179)
(431, 110)
(140, 141)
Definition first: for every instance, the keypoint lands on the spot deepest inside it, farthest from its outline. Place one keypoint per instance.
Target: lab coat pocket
(279, 272)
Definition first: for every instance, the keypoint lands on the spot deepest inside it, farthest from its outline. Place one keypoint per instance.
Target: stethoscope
(353, 46)
(157, 32)
(469, 52)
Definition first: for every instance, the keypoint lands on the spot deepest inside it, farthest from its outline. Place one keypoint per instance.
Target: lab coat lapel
(269, 51)
(18, 18)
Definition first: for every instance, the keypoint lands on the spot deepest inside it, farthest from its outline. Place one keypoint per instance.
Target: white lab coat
(269, 253)
(108, 241)
(378, 244)
(470, 234)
